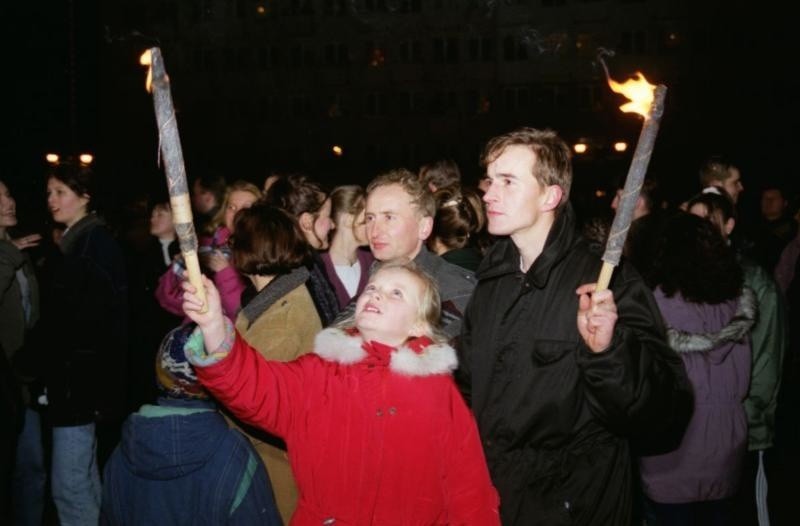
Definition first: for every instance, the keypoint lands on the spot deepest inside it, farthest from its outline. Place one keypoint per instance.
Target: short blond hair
(420, 196)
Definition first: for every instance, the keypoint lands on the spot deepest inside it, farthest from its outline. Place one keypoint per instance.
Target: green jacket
(12, 315)
(769, 341)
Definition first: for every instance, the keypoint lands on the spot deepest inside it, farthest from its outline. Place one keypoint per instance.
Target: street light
(620, 146)
(86, 158)
(52, 158)
(580, 148)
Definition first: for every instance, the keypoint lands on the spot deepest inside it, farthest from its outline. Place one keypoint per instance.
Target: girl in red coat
(376, 430)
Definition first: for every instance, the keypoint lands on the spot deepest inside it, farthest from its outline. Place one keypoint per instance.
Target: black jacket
(557, 420)
(84, 312)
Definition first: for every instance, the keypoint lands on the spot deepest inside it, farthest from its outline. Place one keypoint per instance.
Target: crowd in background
(688, 401)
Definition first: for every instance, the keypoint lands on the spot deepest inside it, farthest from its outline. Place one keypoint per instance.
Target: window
(481, 49)
(514, 48)
(633, 42)
(445, 50)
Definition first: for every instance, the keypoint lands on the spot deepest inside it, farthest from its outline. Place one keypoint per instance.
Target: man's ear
(306, 222)
(425, 227)
(552, 197)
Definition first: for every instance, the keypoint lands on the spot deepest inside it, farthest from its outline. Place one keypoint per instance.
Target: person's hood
(165, 442)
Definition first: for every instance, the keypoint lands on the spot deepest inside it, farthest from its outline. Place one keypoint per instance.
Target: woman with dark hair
(347, 262)
(709, 316)
(84, 311)
(281, 319)
(459, 228)
(311, 207)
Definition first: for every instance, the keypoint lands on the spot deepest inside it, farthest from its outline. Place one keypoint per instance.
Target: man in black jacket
(563, 380)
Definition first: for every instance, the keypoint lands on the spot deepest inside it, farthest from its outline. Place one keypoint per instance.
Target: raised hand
(597, 316)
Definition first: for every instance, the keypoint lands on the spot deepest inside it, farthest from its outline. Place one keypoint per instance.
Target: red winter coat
(375, 435)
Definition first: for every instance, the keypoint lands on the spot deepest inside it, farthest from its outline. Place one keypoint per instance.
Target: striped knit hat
(174, 374)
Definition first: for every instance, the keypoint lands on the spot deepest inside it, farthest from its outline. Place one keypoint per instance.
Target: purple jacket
(714, 345)
(365, 259)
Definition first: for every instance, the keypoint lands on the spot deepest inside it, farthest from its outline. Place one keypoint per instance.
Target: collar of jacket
(275, 290)
(74, 232)
(417, 357)
(503, 257)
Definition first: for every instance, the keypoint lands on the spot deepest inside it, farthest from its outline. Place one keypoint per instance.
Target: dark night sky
(750, 101)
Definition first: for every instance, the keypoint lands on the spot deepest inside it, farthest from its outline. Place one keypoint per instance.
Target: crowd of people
(416, 351)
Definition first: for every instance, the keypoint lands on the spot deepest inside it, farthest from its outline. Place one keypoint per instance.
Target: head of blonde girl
(399, 302)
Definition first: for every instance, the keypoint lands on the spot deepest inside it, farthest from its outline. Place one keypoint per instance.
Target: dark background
(74, 85)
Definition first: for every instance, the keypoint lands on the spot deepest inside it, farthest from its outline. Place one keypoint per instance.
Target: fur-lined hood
(737, 329)
(418, 357)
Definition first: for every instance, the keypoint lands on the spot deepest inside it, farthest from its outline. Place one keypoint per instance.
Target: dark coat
(557, 420)
(179, 463)
(84, 309)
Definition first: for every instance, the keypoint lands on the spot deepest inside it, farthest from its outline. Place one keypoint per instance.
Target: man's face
(733, 184)
(772, 204)
(514, 199)
(395, 228)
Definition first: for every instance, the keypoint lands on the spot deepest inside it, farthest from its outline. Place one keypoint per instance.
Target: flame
(640, 94)
(145, 60)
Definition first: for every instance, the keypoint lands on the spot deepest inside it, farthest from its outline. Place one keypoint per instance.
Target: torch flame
(639, 92)
(145, 60)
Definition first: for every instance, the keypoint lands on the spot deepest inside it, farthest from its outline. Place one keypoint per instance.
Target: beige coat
(284, 331)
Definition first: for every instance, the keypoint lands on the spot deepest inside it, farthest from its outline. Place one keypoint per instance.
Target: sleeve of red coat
(230, 285)
(262, 393)
(471, 497)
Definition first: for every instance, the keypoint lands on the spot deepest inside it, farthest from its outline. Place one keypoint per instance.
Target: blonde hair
(429, 310)
(237, 186)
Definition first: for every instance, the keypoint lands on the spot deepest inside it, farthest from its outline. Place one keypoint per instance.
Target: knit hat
(175, 376)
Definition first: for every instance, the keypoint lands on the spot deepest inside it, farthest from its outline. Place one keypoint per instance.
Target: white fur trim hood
(334, 345)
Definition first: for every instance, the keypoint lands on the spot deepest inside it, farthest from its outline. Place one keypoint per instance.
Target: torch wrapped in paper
(648, 101)
(170, 149)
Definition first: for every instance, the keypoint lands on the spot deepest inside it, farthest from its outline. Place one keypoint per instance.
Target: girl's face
(388, 309)
(237, 200)
(8, 208)
(65, 205)
(161, 222)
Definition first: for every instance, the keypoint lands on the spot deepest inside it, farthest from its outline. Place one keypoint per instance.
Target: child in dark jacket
(179, 463)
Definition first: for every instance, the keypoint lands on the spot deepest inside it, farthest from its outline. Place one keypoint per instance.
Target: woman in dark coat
(84, 309)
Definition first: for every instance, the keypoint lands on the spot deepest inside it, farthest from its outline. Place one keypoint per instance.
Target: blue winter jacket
(180, 464)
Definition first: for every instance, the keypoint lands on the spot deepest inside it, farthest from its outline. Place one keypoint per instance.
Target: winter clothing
(365, 259)
(179, 463)
(228, 281)
(322, 292)
(558, 420)
(84, 310)
(280, 323)
(713, 343)
(769, 340)
(376, 435)
(13, 319)
(468, 258)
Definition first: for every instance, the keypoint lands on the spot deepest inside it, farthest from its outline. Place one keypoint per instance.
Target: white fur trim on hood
(334, 345)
